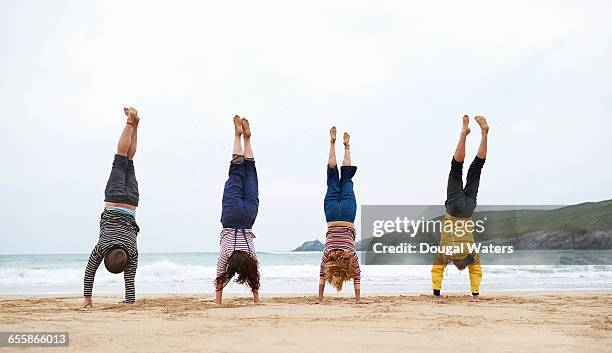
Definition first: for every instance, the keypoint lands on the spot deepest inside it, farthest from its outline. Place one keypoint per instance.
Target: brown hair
(243, 264)
(116, 260)
(339, 268)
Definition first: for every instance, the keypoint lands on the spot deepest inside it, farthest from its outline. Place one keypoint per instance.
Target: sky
(397, 75)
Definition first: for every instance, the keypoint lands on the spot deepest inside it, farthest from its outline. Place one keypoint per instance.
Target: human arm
(129, 275)
(357, 281)
(90, 273)
(219, 281)
(322, 278)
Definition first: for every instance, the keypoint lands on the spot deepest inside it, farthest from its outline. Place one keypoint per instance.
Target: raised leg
(484, 127)
(472, 184)
(246, 135)
(116, 190)
(132, 183)
(116, 187)
(347, 149)
(331, 203)
(251, 184)
(134, 140)
(233, 192)
(125, 140)
(331, 161)
(237, 150)
(130, 175)
(472, 181)
(348, 202)
(231, 212)
(333, 185)
(455, 197)
(460, 150)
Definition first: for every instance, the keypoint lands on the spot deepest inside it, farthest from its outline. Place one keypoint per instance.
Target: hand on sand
(87, 303)
(358, 301)
(439, 300)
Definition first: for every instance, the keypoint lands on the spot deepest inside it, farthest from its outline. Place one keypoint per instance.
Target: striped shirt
(117, 230)
(340, 238)
(231, 240)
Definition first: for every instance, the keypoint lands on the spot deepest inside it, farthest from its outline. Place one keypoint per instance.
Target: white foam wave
(171, 277)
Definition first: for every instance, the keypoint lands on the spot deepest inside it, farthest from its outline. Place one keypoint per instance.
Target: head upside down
(243, 264)
(339, 268)
(116, 260)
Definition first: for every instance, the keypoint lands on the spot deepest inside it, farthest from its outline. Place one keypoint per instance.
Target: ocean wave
(165, 271)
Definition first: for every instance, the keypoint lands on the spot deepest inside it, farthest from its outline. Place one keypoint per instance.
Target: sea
(285, 273)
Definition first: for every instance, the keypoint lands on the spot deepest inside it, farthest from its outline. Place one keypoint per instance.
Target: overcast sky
(397, 75)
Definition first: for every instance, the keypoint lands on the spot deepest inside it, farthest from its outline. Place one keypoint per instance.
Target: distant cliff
(313, 245)
(586, 226)
(559, 240)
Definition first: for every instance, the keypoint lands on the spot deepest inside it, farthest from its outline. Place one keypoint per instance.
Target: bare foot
(131, 114)
(439, 300)
(473, 298)
(87, 303)
(332, 134)
(483, 123)
(465, 130)
(246, 128)
(346, 137)
(237, 125)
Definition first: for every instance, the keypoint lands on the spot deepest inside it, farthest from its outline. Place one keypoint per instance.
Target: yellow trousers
(437, 272)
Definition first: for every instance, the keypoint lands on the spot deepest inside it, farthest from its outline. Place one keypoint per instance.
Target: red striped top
(229, 238)
(340, 238)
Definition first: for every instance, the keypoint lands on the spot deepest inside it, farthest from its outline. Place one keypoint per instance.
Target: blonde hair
(339, 268)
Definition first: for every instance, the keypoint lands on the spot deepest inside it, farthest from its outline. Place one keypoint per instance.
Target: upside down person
(118, 229)
(460, 204)
(240, 205)
(340, 262)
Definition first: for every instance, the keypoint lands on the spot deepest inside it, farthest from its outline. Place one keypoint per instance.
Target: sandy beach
(498, 323)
